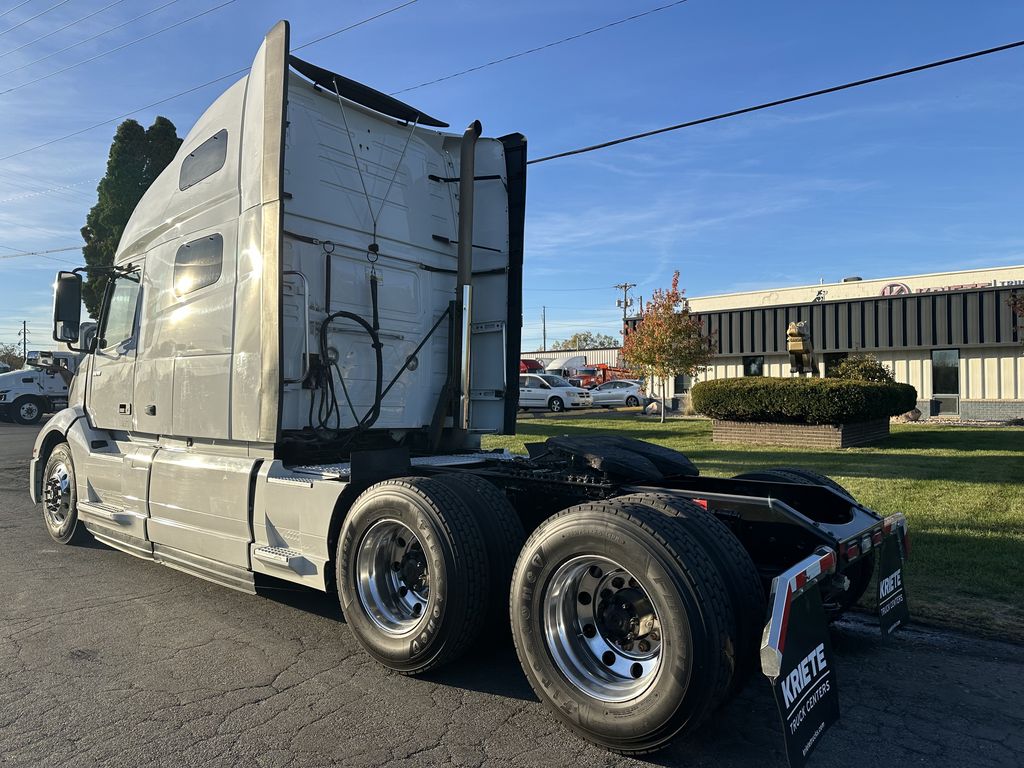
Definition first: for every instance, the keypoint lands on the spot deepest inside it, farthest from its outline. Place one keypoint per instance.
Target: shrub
(863, 368)
(802, 401)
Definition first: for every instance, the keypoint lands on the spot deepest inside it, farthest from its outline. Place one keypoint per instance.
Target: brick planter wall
(800, 435)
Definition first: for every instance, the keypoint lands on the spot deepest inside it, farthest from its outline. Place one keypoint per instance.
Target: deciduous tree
(668, 340)
(585, 340)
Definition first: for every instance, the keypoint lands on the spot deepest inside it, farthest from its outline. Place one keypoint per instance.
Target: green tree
(668, 340)
(136, 158)
(585, 340)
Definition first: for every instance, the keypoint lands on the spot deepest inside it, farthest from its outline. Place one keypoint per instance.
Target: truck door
(111, 383)
(113, 500)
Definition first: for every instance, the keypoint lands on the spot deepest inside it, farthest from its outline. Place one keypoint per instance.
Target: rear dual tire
(424, 566)
(579, 635)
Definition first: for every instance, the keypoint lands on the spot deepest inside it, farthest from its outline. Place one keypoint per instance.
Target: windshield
(555, 381)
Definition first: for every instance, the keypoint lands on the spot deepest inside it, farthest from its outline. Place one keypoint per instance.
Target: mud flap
(893, 611)
(796, 655)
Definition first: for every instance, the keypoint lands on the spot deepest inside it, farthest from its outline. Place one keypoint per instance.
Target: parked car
(619, 392)
(545, 390)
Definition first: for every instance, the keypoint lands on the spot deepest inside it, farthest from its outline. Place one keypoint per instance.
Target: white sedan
(545, 390)
(619, 392)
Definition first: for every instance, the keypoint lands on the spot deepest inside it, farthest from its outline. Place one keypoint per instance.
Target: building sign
(902, 289)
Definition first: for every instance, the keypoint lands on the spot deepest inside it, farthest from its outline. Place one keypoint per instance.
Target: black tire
(555, 405)
(817, 479)
(27, 410)
(60, 498)
(795, 475)
(447, 541)
(693, 616)
(736, 569)
(503, 535)
(861, 571)
(632, 402)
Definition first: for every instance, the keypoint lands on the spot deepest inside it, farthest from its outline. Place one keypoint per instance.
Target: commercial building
(952, 335)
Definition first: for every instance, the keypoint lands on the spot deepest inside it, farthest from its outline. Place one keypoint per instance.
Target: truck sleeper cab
(313, 316)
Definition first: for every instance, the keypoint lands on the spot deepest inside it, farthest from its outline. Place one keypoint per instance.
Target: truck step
(277, 555)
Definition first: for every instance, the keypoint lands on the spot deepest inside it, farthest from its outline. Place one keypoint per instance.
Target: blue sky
(919, 174)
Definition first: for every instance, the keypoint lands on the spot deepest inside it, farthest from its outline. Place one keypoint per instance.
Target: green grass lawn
(961, 488)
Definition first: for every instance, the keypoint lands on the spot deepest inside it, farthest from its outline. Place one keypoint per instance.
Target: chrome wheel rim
(29, 411)
(556, 405)
(57, 496)
(392, 577)
(602, 629)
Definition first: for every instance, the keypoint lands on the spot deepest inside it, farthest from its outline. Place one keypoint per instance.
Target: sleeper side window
(198, 264)
(204, 161)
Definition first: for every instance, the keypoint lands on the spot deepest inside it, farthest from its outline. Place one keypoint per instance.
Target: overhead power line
(40, 253)
(97, 36)
(12, 10)
(119, 47)
(23, 22)
(779, 102)
(195, 88)
(538, 48)
(61, 29)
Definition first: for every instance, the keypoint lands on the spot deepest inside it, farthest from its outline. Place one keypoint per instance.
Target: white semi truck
(39, 387)
(313, 317)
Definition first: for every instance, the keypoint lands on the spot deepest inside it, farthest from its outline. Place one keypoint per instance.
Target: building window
(198, 264)
(204, 161)
(680, 383)
(946, 371)
(832, 361)
(753, 365)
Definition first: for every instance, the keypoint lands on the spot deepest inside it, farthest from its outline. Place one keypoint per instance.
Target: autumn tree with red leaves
(668, 340)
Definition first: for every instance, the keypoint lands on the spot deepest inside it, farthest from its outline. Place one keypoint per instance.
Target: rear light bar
(785, 587)
(896, 523)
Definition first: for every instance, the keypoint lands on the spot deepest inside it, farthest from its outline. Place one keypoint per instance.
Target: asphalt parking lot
(110, 660)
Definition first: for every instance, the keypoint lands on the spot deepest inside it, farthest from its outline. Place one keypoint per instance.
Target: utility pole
(544, 327)
(625, 302)
(24, 340)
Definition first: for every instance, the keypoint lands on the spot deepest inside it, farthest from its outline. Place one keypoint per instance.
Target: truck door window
(119, 319)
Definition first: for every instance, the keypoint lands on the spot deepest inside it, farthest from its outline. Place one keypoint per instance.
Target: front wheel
(555, 405)
(621, 623)
(60, 498)
(632, 402)
(27, 410)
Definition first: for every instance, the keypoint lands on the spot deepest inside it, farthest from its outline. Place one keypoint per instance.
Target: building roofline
(895, 278)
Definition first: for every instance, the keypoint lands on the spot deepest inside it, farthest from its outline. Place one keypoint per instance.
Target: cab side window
(119, 319)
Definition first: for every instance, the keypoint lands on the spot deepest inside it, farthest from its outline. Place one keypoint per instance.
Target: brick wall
(991, 410)
(800, 435)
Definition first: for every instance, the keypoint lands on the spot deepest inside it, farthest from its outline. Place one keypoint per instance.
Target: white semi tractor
(39, 387)
(313, 317)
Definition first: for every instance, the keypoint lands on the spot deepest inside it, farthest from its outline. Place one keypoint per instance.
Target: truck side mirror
(67, 307)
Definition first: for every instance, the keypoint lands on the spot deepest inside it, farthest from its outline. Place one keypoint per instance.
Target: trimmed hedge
(802, 401)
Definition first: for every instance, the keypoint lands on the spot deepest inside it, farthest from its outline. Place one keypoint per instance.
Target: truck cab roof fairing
(363, 94)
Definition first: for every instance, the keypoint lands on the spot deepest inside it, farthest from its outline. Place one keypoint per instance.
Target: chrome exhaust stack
(464, 276)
